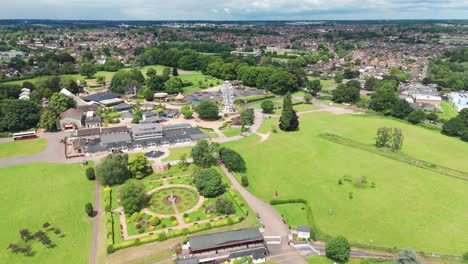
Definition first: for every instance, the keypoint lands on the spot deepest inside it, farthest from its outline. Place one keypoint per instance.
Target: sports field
(408, 206)
(22, 147)
(36, 193)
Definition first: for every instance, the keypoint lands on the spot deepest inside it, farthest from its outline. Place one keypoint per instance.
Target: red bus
(24, 135)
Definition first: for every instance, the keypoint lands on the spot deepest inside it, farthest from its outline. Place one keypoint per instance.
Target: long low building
(94, 140)
(223, 240)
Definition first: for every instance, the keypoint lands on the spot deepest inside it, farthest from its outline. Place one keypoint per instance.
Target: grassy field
(22, 147)
(175, 153)
(35, 193)
(409, 206)
(324, 260)
(448, 111)
(231, 131)
(326, 84)
(199, 81)
(293, 214)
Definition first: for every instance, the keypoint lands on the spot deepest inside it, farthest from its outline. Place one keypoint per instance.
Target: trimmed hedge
(254, 98)
(176, 233)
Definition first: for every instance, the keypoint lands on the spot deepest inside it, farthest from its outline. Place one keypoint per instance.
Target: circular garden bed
(183, 198)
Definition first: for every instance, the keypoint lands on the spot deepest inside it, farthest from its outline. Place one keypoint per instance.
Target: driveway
(272, 222)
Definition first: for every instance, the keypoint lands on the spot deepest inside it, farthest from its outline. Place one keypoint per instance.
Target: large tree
(247, 116)
(61, 102)
(132, 196)
(346, 93)
(48, 119)
(140, 166)
(202, 154)
(113, 169)
(401, 109)
(338, 249)
(314, 87)
(207, 110)
(88, 70)
(289, 120)
(209, 183)
(174, 85)
(16, 115)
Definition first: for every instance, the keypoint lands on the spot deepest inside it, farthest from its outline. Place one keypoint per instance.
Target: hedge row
(109, 219)
(287, 201)
(254, 98)
(175, 233)
(239, 201)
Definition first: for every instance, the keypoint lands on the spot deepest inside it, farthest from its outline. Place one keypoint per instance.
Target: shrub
(133, 196)
(268, 106)
(89, 209)
(136, 217)
(185, 215)
(245, 181)
(141, 230)
(174, 223)
(465, 257)
(90, 174)
(154, 221)
(209, 183)
(223, 205)
(232, 160)
(207, 110)
(173, 218)
(187, 220)
(338, 249)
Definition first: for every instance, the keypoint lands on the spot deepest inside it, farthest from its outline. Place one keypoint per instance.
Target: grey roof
(88, 132)
(72, 113)
(127, 115)
(303, 229)
(151, 119)
(93, 120)
(176, 126)
(225, 238)
(116, 129)
(87, 108)
(97, 97)
(123, 106)
(146, 128)
(187, 261)
(148, 114)
(256, 253)
(195, 133)
(115, 138)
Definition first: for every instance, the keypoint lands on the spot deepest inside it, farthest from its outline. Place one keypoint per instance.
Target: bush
(338, 249)
(89, 209)
(90, 174)
(416, 117)
(232, 160)
(223, 206)
(245, 181)
(268, 106)
(154, 221)
(207, 110)
(465, 257)
(133, 196)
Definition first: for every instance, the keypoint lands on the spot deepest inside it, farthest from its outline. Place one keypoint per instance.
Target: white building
(303, 232)
(458, 100)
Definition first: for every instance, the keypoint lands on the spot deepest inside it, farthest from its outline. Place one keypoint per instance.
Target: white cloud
(237, 9)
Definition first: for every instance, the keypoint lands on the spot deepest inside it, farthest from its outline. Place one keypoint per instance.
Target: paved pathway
(272, 222)
(95, 232)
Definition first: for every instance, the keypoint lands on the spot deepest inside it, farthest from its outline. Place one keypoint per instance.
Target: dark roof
(146, 128)
(123, 107)
(88, 132)
(93, 120)
(303, 229)
(148, 114)
(223, 239)
(187, 261)
(256, 253)
(127, 115)
(151, 119)
(72, 113)
(117, 129)
(97, 97)
(195, 133)
(87, 108)
(115, 138)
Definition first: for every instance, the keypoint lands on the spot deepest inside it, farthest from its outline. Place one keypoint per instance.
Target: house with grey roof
(146, 131)
(71, 119)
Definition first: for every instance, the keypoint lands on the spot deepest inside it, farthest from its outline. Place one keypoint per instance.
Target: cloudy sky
(233, 9)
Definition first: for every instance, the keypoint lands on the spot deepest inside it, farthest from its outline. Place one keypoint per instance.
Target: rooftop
(225, 239)
(98, 97)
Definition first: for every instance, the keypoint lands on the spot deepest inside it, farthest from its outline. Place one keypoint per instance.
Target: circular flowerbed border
(185, 199)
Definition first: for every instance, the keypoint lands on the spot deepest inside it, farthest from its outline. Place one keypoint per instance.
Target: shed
(303, 232)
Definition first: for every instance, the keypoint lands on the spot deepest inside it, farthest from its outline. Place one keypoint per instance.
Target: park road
(272, 221)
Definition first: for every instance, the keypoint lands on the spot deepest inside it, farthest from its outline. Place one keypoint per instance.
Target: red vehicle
(24, 135)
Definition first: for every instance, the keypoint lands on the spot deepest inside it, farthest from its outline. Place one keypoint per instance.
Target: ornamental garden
(147, 207)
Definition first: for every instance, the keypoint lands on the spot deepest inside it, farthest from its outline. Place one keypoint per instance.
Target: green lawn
(304, 107)
(326, 84)
(231, 131)
(409, 206)
(448, 111)
(175, 153)
(22, 147)
(36, 193)
(293, 214)
(199, 81)
(324, 260)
